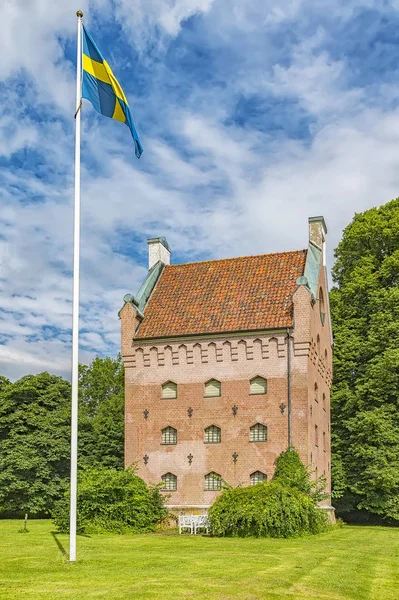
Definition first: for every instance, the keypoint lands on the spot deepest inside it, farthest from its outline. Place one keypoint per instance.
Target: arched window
(325, 356)
(258, 385)
(170, 482)
(213, 435)
(316, 392)
(316, 435)
(318, 345)
(169, 390)
(258, 477)
(213, 481)
(324, 401)
(169, 435)
(213, 388)
(322, 307)
(258, 433)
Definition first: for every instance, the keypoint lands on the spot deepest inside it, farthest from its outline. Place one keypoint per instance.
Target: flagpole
(75, 306)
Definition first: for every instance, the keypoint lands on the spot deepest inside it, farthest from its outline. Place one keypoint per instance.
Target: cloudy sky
(253, 116)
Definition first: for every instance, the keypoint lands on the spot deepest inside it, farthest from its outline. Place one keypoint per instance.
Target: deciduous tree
(365, 395)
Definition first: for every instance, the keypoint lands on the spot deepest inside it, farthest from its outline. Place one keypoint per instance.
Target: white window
(213, 435)
(258, 433)
(258, 385)
(213, 388)
(169, 435)
(213, 481)
(169, 390)
(258, 477)
(170, 482)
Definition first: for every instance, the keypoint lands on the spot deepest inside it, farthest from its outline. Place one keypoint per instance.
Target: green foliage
(266, 510)
(290, 471)
(35, 433)
(34, 443)
(101, 413)
(112, 501)
(365, 395)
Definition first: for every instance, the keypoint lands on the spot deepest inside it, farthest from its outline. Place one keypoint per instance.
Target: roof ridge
(214, 260)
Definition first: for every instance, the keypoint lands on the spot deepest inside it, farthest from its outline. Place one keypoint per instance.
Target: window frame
(173, 478)
(260, 480)
(257, 393)
(162, 390)
(213, 395)
(167, 436)
(216, 482)
(254, 432)
(218, 430)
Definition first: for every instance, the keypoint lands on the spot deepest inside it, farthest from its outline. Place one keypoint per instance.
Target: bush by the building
(112, 501)
(285, 507)
(265, 510)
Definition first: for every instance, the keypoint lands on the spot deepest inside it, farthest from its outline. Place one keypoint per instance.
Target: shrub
(290, 471)
(266, 510)
(112, 501)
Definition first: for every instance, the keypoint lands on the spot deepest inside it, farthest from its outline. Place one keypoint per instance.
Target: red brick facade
(233, 359)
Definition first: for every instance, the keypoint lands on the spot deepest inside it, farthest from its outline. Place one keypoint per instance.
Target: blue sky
(253, 116)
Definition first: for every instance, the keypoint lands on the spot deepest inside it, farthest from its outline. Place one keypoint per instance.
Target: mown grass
(356, 563)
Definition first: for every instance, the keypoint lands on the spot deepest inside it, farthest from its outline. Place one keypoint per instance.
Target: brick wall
(233, 361)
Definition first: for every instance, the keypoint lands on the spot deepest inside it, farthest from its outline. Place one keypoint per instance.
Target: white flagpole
(75, 309)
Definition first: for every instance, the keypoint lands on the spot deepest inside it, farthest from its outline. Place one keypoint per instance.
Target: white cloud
(142, 17)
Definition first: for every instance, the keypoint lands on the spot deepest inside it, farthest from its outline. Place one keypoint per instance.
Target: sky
(253, 116)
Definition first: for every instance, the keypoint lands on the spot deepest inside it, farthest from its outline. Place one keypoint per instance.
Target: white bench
(193, 523)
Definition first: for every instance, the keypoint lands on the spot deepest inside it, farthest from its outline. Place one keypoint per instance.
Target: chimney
(317, 234)
(158, 250)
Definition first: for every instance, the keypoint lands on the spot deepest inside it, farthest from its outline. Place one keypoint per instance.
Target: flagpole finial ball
(79, 13)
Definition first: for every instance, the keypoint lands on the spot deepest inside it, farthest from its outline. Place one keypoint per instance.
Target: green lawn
(352, 562)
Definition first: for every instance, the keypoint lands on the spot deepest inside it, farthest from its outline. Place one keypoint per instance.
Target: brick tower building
(227, 362)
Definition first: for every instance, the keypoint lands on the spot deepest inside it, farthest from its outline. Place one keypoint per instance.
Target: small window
(213, 388)
(316, 435)
(169, 435)
(318, 345)
(324, 402)
(169, 390)
(170, 482)
(316, 392)
(213, 435)
(213, 481)
(324, 441)
(258, 385)
(322, 307)
(258, 433)
(258, 477)
(325, 356)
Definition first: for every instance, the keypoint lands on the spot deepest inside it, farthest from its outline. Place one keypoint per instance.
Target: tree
(34, 443)
(101, 413)
(35, 433)
(291, 471)
(365, 394)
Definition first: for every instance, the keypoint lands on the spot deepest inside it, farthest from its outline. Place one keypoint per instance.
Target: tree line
(35, 433)
(364, 300)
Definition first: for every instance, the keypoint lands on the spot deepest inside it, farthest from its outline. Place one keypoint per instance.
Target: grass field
(349, 563)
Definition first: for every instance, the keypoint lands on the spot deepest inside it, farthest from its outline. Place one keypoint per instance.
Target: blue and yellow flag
(101, 87)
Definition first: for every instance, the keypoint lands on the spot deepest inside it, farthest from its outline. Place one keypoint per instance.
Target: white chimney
(317, 234)
(158, 250)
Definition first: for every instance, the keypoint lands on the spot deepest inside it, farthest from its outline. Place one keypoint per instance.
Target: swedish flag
(101, 87)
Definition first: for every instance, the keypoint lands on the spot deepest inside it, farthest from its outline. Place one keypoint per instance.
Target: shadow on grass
(60, 546)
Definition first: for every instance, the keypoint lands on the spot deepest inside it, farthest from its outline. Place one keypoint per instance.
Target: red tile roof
(215, 296)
